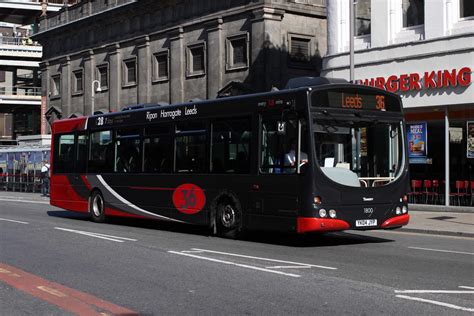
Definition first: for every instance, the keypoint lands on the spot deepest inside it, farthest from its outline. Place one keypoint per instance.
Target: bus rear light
(317, 200)
(322, 213)
(398, 210)
(404, 209)
(332, 213)
(405, 198)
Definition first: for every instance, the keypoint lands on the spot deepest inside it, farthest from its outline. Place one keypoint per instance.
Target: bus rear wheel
(228, 219)
(96, 207)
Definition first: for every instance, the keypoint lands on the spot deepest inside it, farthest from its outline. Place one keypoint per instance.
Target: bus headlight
(322, 213)
(332, 213)
(398, 210)
(405, 209)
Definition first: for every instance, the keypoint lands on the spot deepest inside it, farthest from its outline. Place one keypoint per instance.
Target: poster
(417, 134)
(470, 139)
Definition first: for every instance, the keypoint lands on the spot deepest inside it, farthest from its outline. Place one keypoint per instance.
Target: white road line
(266, 259)
(24, 201)
(289, 267)
(235, 264)
(435, 292)
(436, 303)
(13, 221)
(466, 287)
(96, 235)
(441, 250)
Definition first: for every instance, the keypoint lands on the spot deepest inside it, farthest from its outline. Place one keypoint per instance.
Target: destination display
(355, 100)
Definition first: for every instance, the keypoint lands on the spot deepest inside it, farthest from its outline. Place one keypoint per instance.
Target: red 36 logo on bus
(188, 198)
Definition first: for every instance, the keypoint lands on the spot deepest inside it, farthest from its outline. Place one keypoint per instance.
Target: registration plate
(366, 222)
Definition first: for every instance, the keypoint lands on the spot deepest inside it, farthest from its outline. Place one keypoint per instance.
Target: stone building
(150, 51)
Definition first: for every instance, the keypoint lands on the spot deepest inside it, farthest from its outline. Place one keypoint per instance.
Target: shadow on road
(281, 239)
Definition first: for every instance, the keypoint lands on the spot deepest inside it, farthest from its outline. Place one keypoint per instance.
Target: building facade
(423, 51)
(106, 55)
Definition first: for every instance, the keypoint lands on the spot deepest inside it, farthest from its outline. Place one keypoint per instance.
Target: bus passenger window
(101, 156)
(231, 146)
(81, 155)
(127, 151)
(64, 162)
(190, 147)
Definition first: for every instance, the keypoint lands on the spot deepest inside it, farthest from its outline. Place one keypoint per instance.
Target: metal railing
(17, 40)
(20, 91)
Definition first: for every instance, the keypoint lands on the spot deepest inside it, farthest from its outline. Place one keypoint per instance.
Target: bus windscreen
(355, 99)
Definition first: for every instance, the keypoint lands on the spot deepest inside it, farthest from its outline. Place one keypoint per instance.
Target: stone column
(266, 47)
(66, 87)
(144, 70)
(115, 85)
(177, 64)
(215, 56)
(89, 76)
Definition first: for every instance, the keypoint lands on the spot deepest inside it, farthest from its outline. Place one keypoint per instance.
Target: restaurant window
(467, 8)
(363, 21)
(413, 12)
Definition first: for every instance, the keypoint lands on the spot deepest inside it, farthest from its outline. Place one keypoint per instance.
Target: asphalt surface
(156, 268)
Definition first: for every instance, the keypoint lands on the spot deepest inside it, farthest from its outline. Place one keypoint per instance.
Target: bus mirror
(281, 128)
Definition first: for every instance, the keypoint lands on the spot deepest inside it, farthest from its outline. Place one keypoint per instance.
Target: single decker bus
(322, 155)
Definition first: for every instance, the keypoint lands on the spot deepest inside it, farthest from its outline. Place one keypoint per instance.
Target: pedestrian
(45, 178)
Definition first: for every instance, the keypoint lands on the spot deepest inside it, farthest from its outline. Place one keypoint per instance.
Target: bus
(318, 156)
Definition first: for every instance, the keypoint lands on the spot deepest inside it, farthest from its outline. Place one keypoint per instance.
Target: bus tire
(97, 207)
(228, 219)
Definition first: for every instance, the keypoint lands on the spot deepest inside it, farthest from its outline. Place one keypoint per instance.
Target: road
(59, 263)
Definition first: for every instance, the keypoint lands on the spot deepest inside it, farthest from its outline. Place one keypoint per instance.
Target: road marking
(266, 259)
(96, 235)
(13, 221)
(24, 201)
(289, 267)
(436, 303)
(234, 264)
(68, 299)
(466, 287)
(435, 292)
(441, 250)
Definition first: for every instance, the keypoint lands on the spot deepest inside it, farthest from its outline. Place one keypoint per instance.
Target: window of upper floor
(362, 17)
(466, 8)
(413, 12)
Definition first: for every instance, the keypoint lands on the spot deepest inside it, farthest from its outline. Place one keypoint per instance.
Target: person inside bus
(290, 157)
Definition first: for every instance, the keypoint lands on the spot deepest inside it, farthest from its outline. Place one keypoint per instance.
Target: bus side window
(231, 146)
(81, 153)
(190, 147)
(64, 161)
(101, 156)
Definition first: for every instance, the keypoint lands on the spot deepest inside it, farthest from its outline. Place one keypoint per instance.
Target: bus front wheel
(96, 207)
(228, 219)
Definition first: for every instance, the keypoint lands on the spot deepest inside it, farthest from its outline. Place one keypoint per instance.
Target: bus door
(281, 146)
(80, 167)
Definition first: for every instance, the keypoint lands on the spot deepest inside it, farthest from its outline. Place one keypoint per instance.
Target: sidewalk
(429, 219)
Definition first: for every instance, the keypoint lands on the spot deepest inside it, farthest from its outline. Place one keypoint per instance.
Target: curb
(435, 232)
(440, 208)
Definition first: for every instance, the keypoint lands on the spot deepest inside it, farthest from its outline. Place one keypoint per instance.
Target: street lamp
(94, 82)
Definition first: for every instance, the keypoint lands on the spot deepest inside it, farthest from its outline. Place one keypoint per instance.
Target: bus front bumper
(312, 224)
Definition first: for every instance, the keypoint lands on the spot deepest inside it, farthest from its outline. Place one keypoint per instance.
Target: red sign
(415, 81)
(188, 198)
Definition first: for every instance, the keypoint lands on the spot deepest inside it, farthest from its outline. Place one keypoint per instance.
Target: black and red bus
(318, 158)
